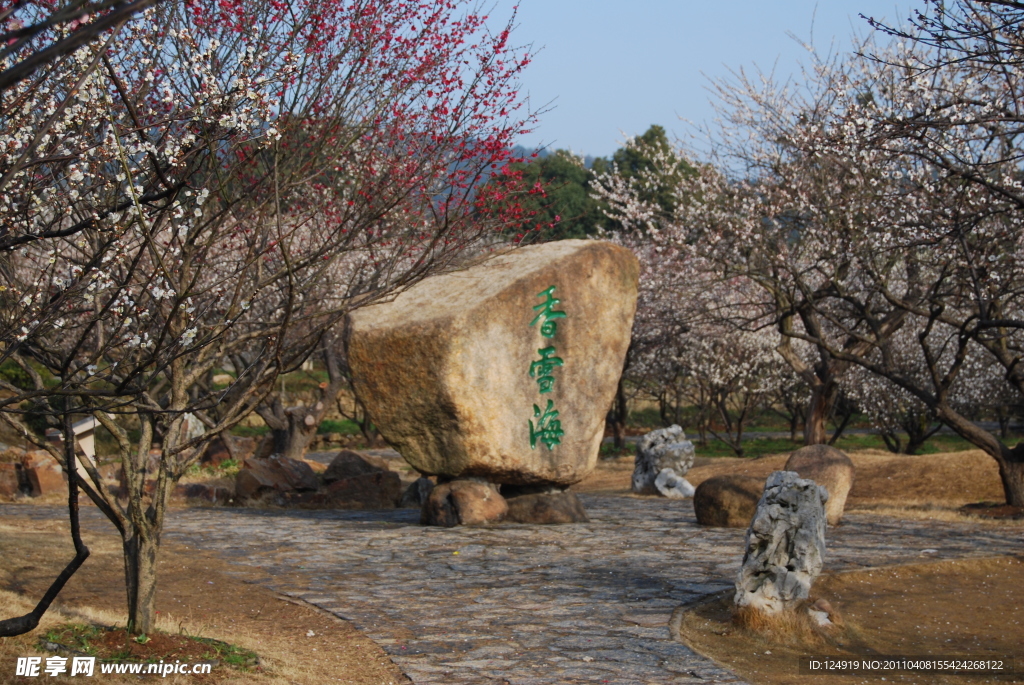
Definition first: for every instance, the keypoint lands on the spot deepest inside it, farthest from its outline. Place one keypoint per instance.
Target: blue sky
(608, 65)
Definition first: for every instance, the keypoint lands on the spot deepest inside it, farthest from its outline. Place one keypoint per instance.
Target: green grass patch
(345, 427)
(114, 645)
(250, 431)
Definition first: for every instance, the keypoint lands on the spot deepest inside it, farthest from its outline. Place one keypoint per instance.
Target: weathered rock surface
(668, 484)
(349, 464)
(664, 448)
(727, 501)
(215, 494)
(43, 473)
(274, 474)
(463, 502)
(10, 484)
(416, 494)
(829, 468)
(785, 545)
(557, 506)
(222, 448)
(503, 370)
(375, 490)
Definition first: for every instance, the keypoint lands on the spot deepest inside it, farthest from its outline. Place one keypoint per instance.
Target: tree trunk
(1010, 460)
(617, 417)
(293, 428)
(1011, 472)
(140, 554)
(818, 410)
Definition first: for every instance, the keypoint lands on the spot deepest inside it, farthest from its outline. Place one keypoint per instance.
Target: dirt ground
(930, 485)
(195, 596)
(883, 609)
(971, 608)
(962, 608)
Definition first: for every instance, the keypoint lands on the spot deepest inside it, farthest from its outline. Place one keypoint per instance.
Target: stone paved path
(518, 604)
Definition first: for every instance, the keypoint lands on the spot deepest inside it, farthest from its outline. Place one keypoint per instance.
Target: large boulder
(504, 370)
(274, 474)
(785, 545)
(463, 502)
(727, 501)
(829, 468)
(661, 449)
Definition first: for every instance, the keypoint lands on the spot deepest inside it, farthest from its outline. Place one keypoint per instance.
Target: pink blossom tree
(253, 173)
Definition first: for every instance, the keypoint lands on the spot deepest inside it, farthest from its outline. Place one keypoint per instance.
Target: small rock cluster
(785, 545)
(663, 457)
(351, 481)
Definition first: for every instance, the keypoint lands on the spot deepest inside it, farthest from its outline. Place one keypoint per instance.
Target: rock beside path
(349, 464)
(727, 501)
(785, 545)
(503, 370)
(829, 468)
(274, 474)
(661, 449)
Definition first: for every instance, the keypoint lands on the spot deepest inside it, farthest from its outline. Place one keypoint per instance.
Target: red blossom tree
(244, 177)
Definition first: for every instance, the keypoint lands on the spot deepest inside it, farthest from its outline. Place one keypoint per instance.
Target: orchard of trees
(849, 240)
(188, 187)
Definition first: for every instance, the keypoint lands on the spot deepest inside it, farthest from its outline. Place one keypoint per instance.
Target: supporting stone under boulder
(785, 545)
(502, 371)
(463, 503)
(545, 505)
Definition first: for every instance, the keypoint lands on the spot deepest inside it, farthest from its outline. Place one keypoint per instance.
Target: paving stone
(534, 595)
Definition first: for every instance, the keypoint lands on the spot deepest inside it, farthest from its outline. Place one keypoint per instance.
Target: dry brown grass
(929, 486)
(196, 594)
(950, 608)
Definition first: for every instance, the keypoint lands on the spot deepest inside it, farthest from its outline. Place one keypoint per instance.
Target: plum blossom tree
(246, 175)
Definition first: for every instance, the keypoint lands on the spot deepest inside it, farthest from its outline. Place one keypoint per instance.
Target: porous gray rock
(665, 448)
(503, 370)
(785, 545)
(829, 468)
(668, 484)
(727, 501)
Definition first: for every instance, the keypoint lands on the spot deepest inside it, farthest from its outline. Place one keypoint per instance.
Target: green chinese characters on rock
(542, 368)
(548, 429)
(547, 314)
